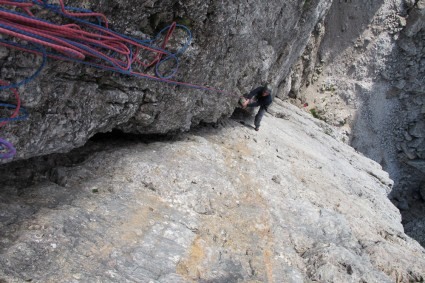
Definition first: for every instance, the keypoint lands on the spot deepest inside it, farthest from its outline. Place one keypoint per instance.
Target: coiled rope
(86, 42)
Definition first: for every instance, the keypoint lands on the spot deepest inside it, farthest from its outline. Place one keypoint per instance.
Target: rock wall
(223, 204)
(236, 46)
(407, 78)
(363, 71)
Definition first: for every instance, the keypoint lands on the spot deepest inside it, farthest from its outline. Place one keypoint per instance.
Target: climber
(261, 96)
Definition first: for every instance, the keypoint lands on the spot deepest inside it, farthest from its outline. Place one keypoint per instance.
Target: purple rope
(10, 150)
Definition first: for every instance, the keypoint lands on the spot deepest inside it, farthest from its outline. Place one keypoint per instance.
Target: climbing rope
(83, 41)
(7, 150)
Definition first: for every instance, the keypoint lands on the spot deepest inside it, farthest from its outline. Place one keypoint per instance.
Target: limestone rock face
(289, 203)
(365, 73)
(236, 46)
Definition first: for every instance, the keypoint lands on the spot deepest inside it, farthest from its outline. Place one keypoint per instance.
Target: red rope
(108, 40)
(89, 14)
(18, 102)
(92, 43)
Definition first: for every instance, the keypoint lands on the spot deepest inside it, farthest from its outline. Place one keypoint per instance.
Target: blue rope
(38, 48)
(12, 106)
(146, 43)
(56, 8)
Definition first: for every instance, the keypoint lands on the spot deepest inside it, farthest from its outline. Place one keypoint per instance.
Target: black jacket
(262, 101)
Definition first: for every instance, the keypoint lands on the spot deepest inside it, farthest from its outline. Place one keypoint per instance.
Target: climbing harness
(80, 39)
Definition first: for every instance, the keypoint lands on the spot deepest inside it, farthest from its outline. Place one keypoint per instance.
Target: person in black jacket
(261, 96)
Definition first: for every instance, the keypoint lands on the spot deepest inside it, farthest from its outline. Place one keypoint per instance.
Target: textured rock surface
(70, 103)
(289, 203)
(364, 72)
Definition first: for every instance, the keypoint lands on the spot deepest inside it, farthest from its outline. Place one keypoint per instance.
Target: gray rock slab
(207, 207)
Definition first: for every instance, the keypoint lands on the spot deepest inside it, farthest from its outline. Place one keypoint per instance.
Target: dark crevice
(22, 174)
(118, 135)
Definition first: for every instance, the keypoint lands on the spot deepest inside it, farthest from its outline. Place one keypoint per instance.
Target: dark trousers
(259, 116)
